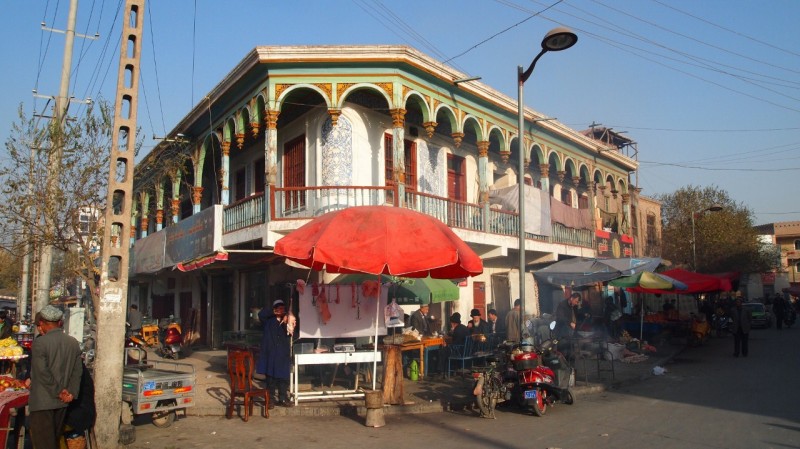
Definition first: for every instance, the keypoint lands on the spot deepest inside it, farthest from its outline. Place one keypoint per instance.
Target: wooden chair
(241, 365)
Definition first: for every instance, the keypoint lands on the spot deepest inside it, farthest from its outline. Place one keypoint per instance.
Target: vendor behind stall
(420, 320)
(275, 359)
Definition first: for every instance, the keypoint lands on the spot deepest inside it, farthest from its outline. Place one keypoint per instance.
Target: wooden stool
(374, 402)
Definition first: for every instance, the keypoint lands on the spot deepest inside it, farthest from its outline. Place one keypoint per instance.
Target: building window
(583, 202)
(652, 238)
(797, 244)
(294, 172)
(566, 196)
(456, 178)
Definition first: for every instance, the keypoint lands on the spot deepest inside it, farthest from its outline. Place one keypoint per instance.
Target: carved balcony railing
(291, 203)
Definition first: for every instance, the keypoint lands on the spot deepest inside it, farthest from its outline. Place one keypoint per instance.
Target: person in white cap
(275, 360)
(55, 381)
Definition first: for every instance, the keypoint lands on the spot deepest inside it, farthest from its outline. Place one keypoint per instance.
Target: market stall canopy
(647, 279)
(409, 291)
(580, 271)
(695, 283)
(380, 240)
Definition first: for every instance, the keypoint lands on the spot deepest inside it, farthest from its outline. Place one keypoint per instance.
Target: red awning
(696, 283)
(200, 262)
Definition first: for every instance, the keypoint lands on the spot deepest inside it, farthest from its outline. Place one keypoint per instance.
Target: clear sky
(709, 90)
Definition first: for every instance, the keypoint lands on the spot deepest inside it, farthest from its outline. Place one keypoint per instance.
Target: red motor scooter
(543, 377)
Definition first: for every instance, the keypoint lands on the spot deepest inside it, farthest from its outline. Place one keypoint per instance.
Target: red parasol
(380, 240)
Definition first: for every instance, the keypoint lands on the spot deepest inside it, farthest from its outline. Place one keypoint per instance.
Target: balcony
(294, 203)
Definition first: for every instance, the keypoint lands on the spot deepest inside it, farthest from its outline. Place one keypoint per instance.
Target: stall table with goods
(13, 400)
(10, 354)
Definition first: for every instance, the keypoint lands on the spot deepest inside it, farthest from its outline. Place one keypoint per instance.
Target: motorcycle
(529, 376)
(544, 377)
(171, 339)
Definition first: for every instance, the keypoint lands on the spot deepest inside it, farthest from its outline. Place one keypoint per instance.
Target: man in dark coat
(566, 323)
(740, 326)
(55, 378)
(275, 359)
(476, 325)
(420, 320)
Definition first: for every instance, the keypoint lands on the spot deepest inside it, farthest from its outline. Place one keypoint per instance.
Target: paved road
(707, 399)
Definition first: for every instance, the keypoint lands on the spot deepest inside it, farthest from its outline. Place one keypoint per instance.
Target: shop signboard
(611, 244)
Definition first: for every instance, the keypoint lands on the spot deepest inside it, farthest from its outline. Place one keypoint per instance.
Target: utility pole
(116, 233)
(54, 161)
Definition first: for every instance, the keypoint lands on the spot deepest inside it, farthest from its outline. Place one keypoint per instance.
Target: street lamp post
(712, 208)
(557, 39)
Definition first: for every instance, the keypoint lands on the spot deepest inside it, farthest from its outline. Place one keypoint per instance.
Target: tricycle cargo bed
(158, 386)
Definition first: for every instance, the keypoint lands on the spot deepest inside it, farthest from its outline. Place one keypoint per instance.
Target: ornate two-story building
(294, 132)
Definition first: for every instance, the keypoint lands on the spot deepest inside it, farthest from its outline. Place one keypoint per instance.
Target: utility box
(73, 322)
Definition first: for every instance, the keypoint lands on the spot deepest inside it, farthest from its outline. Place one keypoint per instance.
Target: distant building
(785, 235)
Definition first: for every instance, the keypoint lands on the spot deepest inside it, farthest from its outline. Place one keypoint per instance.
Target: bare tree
(77, 202)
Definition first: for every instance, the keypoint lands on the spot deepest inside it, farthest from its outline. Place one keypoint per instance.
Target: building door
(479, 297)
(294, 172)
(456, 189)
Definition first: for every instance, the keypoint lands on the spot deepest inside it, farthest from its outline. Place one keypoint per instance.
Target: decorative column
(240, 140)
(457, 138)
(399, 153)
(223, 176)
(483, 167)
(626, 211)
(544, 169)
(144, 199)
(271, 146)
(592, 205)
(159, 205)
(197, 196)
(561, 175)
(134, 213)
(270, 158)
(175, 208)
(430, 128)
(255, 127)
(334, 114)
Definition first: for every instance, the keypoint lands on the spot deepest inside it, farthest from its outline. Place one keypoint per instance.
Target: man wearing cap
(275, 359)
(477, 325)
(457, 334)
(420, 320)
(55, 381)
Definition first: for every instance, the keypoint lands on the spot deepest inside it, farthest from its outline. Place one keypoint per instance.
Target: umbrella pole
(375, 346)
(641, 319)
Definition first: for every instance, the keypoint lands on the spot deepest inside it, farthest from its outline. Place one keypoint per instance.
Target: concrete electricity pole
(54, 160)
(116, 234)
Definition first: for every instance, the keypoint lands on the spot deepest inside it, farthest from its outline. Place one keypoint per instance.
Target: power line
(500, 32)
(774, 169)
(725, 29)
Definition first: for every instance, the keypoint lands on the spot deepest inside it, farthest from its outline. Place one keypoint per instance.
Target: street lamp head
(715, 208)
(560, 38)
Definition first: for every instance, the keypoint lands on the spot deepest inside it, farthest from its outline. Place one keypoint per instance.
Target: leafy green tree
(75, 204)
(725, 239)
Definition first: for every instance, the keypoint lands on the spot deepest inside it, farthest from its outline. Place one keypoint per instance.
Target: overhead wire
(620, 45)
(156, 71)
(531, 16)
(738, 33)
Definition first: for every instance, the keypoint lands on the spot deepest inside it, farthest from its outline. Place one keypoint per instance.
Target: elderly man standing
(420, 320)
(55, 381)
(512, 322)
